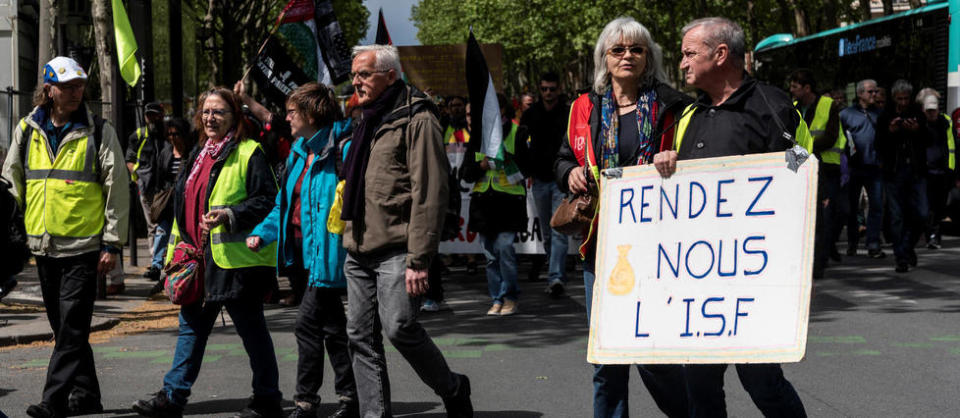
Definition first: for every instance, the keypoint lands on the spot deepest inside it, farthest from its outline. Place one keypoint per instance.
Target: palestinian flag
(484, 108)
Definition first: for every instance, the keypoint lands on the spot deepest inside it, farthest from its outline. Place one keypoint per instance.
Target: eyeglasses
(173, 133)
(365, 74)
(873, 91)
(218, 113)
(619, 50)
(548, 88)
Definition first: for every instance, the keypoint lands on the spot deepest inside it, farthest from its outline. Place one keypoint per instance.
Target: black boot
(459, 405)
(158, 407)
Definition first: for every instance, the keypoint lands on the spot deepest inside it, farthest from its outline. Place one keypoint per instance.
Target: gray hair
(387, 56)
(631, 31)
(720, 30)
(901, 86)
(862, 84)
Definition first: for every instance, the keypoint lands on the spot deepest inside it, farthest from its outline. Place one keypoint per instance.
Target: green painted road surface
(880, 344)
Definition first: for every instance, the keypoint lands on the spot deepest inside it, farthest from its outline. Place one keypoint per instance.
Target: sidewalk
(20, 325)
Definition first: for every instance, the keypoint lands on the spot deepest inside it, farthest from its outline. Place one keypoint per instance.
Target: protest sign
(441, 68)
(712, 265)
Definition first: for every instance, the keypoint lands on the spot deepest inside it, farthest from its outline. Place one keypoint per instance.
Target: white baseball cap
(62, 70)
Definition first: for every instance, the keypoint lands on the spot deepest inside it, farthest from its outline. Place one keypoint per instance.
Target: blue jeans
(501, 265)
(869, 178)
(196, 322)
(665, 382)
(547, 197)
(907, 202)
(160, 240)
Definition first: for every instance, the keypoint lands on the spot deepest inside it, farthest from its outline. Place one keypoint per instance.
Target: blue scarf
(646, 114)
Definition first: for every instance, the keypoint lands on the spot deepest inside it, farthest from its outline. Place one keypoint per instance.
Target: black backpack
(13, 236)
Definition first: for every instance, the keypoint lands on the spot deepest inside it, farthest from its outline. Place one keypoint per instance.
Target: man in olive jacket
(393, 203)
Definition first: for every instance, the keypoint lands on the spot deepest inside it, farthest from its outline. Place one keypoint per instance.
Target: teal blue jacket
(322, 251)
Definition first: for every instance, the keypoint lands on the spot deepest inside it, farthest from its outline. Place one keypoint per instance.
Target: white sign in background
(712, 265)
(529, 241)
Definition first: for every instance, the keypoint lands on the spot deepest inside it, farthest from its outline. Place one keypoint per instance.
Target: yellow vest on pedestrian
(801, 135)
(229, 249)
(142, 134)
(498, 178)
(818, 127)
(951, 145)
(64, 197)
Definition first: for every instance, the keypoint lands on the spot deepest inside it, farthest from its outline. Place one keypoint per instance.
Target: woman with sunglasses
(308, 251)
(226, 187)
(624, 121)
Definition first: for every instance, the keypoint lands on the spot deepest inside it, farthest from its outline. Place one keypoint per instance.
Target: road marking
(135, 354)
(836, 339)
(946, 338)
(913, 345)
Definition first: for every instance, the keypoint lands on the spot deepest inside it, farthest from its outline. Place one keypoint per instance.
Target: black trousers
(435, 280)
(69, 288)
(322, 320)
(768, 388)
(830, 218)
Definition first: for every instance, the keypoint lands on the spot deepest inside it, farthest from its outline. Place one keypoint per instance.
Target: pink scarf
(213, 149)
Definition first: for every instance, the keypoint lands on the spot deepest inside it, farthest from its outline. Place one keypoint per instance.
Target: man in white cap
(68, 176)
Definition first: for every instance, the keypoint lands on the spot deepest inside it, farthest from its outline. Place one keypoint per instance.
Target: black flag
(277, 74)
(383, 36)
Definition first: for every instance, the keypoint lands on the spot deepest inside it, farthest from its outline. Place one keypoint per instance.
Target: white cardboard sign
(712, 265)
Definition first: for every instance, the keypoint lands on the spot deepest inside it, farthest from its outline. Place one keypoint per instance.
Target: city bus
(920, 45)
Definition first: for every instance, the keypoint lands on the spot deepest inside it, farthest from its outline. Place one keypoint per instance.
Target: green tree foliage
(559, 35)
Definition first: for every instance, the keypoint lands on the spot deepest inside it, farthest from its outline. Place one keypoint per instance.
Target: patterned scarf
(213, 149)
(646, 118)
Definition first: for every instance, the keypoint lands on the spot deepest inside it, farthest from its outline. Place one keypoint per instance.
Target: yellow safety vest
(951, 145)
(818, 127)
(801, 135)
(229, 249)
(64, 197)
(498, 177)
(142, 133)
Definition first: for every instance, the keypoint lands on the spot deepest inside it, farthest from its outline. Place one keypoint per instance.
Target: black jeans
(69, 288)
(321, 319)
(770, 391)
(435, 280)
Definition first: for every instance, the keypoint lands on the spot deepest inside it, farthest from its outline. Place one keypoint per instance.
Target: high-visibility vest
(498, 177)
(818, 127)
(229, 249)
(801, 134)
(142, 134)
(64, 197)
(951, 145)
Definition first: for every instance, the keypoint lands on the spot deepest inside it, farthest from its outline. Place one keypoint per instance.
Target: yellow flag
(126, 44)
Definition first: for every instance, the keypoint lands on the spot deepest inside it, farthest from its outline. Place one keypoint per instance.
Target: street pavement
(881, 344)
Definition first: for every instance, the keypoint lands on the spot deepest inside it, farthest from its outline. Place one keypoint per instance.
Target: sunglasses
(546, 89)
(619, 51)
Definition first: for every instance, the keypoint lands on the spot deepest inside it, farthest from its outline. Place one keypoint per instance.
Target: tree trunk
(800, 19)
(103, 35)
(48, 32)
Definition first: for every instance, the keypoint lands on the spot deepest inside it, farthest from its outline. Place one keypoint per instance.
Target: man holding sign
(733, 115)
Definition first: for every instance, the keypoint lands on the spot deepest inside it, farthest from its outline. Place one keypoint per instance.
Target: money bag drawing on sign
(621, 279)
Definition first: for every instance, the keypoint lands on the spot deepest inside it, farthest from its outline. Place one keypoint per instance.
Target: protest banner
(712, 265)
(441, 68)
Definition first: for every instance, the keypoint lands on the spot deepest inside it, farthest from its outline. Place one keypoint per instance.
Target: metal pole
(10, 115)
